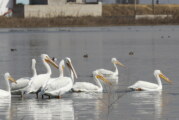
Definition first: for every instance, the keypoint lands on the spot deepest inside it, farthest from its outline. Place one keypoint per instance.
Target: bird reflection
(45, 109)
(5, 106)
(86, 95)
(114, 87)
(144, 100)
(114, 80)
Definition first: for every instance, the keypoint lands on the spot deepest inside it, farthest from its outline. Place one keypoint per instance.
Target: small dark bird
(131, 53)
(13, 49)
(85, 55)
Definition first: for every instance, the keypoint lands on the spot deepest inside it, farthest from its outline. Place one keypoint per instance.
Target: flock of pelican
(44, 84)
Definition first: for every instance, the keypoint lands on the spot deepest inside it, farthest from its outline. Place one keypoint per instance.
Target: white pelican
(89, 87)
(37, 81)
(108, 73)
(61, 71)
(147, 86)
(19, 87)
(59, 86)
(3, 93)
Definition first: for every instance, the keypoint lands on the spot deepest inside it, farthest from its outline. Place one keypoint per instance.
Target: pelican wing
(144, 86)
(105, 72)
(84, 87)
(58, 86)
(20, 84)
(37, 82)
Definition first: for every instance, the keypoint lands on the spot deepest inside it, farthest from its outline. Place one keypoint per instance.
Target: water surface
(152, 47)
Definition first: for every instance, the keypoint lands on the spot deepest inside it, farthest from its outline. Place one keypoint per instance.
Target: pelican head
(54, 59)
(7, 76)
(115, 61)
(34, 61)
(101, 77)
(70, 65)
(161, 75)
(47, 59)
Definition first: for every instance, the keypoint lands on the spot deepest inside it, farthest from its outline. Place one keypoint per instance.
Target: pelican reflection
(88, 105)
(5, 106)
(114, 80)
(149, 103)
(44, 109)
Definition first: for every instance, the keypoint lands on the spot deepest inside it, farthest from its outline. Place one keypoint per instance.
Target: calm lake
(142, 49)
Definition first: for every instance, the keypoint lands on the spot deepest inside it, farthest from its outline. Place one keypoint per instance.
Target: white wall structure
(5, 5)
(56, 2)
(79, 1)
(74, 10)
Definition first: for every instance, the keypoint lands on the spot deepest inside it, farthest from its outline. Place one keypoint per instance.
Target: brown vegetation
(128, 10)
(113, 15)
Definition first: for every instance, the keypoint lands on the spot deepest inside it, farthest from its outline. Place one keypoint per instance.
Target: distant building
(56, 8)
(127, 1)
(32, 2)
(91, 1)
(48, 2)
(25, 2)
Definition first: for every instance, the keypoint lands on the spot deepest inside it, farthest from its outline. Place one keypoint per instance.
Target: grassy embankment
(113, 15)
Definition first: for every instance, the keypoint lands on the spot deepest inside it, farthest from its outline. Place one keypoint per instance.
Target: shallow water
(142, 49)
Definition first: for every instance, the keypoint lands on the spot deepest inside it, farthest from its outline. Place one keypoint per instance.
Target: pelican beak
(49, 60)
(104, 79)
(12, 79)
(119, 63)
(165, 78)
(70, 65)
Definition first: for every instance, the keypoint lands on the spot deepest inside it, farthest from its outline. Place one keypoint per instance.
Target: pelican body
(147, 86)
(109, 73)
(89, 87)
(20, 86)
(37, 81)
(61, 71)
(3, 93)
(61, 85)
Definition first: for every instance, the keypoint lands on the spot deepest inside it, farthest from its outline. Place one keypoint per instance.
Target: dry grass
(125, 10)
(60, 22)
(113, 15)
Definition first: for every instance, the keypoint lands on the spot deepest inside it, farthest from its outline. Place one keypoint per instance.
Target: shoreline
(82, 22)
(85, 29)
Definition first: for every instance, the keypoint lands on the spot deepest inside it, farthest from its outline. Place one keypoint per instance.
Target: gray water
(142, 49)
